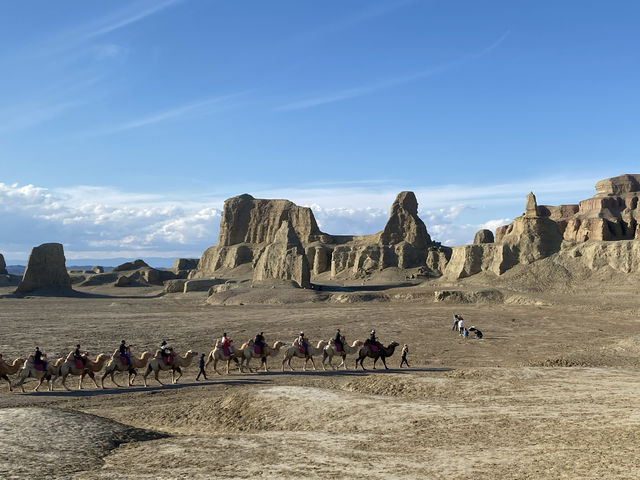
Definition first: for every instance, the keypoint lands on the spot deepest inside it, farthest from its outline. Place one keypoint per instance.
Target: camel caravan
(79, 364)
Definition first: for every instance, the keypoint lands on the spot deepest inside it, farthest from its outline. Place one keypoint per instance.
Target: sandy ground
(550, 391)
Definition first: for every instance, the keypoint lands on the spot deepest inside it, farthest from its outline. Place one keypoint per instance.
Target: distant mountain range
(157, 262)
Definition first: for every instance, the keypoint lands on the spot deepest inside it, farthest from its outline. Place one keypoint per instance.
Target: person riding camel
(373, 340)
(82, 356)
(125, 351)
(38, 359)
(226, 344)
(165, 352)
(259, 343)
(338, 341)
(303, 342)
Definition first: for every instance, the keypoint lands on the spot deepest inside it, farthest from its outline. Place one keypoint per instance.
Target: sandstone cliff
(283, 259)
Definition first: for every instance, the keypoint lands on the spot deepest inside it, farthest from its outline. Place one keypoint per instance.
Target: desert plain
(551, 391)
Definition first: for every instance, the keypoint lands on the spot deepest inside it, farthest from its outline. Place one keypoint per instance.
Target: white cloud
(103, 222)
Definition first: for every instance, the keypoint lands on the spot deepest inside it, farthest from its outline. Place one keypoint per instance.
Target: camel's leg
(4, 377)
(158, 379)
(264, 361)
(384, 361)
(324, 358)
(132, 376)
(283, 360)
(92, 376)
(64, 378)
(228, 365)
(312, 362)
(215, 366)
(344, 362)
(80, 383)
(179, 370)
(209, 360)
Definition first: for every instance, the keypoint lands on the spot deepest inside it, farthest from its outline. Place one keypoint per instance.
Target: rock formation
(283, 259)
(529, 238)
(483, 236)
(612, 214)
(3, 266)
(136, 264)
(45, 268)
(272, 236)
(531, 207)
(249, 225)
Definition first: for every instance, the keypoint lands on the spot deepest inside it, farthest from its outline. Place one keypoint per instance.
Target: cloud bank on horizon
(99, 222)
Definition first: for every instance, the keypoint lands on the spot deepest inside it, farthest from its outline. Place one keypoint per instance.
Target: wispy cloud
(188, 110)
(373, 87)
(133, 13)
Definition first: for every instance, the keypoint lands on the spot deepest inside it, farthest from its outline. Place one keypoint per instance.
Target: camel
(29, 370)
(330, 351)
(217, 354)
(116, 365)
(248, 352)
(7, 369)
(382, 353)
(294, 351)
(69, 367)
(156, 364)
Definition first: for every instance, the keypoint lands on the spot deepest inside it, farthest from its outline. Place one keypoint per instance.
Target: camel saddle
(79, 364)
(123, 359)
(257, 349)
(169, 360)
(226, 350)
(40, 366)
(301, 348)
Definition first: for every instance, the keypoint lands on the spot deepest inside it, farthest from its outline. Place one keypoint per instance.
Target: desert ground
(550, 392)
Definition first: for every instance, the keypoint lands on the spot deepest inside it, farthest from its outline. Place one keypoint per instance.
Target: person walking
(405, 352)
(201, 372)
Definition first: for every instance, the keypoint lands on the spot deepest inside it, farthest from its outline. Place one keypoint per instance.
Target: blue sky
(125, 124)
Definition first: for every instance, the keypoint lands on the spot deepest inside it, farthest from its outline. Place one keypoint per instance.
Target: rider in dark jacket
(337, 339)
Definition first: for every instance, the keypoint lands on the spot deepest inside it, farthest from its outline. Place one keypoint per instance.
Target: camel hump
(245, 345)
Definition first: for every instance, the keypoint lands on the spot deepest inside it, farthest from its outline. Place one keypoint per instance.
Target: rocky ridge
(250, 226)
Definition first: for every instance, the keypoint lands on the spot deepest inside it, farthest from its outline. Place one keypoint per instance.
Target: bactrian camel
(116, 365)
(70, 367)
(248, 352)
(330, 351)
(381, 353)
(7, 369)
(294, 351)
(217, 354)
(29, 370)
(157, 363)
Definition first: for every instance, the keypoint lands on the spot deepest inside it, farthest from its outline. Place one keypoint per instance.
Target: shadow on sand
(232, 380)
